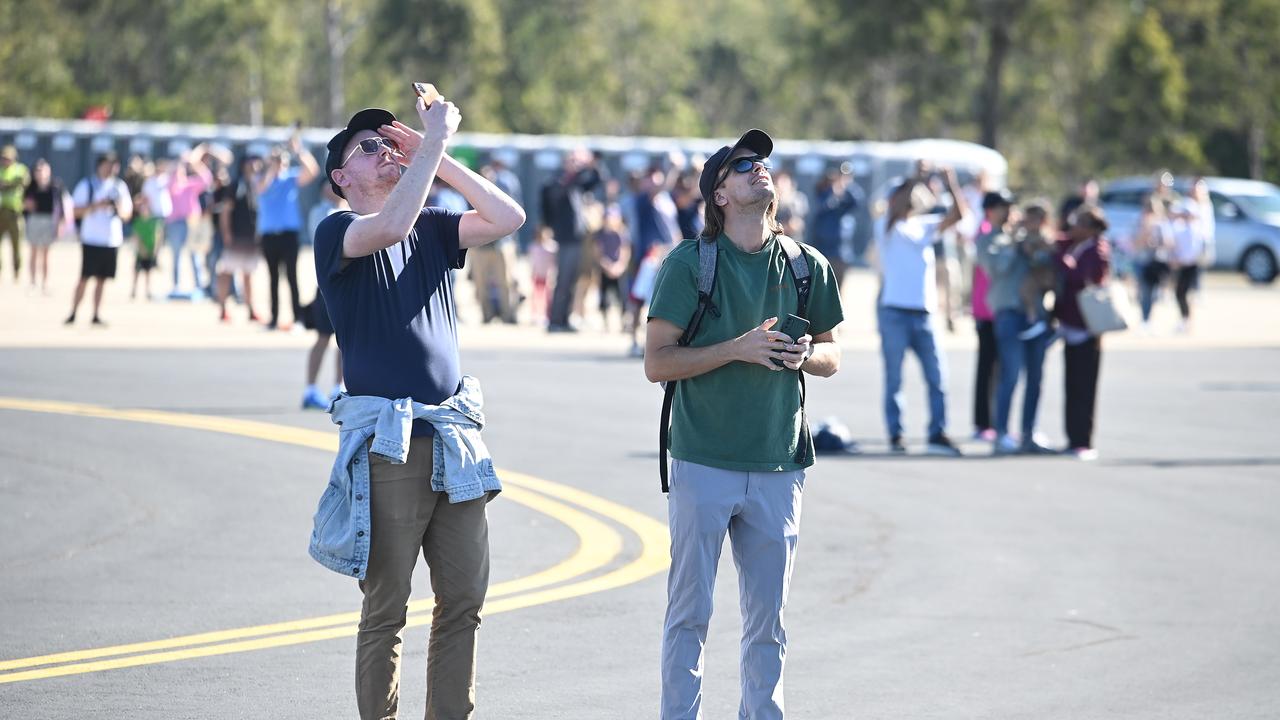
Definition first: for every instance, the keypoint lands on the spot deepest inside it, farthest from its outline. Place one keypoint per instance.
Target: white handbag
(1104, 308)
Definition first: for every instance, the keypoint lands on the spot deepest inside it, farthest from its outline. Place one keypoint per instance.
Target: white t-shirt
(1193, 237)
(156, 189)
(907, 263)
(102, 227)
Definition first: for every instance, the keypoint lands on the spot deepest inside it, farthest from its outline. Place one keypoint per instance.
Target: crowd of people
(219, 218)
(941, 250)
(942, 247)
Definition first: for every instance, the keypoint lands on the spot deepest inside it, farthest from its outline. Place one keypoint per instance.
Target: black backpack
(707, 252)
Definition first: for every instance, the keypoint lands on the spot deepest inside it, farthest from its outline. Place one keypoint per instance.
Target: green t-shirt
(14, 179)
(741, 416)
(146, 229)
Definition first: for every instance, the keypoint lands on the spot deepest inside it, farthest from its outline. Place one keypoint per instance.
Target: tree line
(1064, 90)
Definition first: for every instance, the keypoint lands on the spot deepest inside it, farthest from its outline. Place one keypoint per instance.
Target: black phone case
(793, 327)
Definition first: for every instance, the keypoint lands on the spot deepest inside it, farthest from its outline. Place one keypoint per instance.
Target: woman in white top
(1193, 240)
(1152, 243)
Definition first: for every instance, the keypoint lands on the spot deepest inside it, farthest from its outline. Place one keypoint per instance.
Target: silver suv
(1247, 213)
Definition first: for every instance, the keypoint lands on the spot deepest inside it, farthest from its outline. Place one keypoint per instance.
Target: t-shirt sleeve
(826, 310)
(443, 228)
(675, 293)
(328, 244)
(81, 195)
(125, 200)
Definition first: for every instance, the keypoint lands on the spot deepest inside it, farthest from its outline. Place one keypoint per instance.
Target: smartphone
(793, 326)
(427, 92)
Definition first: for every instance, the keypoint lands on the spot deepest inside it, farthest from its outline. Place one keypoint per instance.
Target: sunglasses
(372, 146)
(745, 165)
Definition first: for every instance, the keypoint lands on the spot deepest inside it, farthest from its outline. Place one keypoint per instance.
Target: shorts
(238, 257)
(319, 316)
(98, 262)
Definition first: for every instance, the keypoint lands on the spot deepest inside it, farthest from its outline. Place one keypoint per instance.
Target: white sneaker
(1084, 454)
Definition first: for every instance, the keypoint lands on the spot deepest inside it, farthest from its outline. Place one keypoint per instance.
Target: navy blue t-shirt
(393, 311)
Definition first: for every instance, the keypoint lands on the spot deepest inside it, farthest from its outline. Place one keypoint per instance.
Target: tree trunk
(337, 37)
(997, 52)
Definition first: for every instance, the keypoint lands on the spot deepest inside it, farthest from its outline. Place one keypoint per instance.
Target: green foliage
(1062, 89)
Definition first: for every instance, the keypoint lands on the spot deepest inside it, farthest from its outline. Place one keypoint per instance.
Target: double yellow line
(599, 545)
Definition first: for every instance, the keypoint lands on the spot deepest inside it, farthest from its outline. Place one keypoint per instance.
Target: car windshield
(1267, 203)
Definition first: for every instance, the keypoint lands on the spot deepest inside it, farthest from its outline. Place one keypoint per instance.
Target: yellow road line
(598, 545)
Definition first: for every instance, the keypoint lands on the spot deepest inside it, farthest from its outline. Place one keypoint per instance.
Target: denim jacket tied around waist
(461, 467)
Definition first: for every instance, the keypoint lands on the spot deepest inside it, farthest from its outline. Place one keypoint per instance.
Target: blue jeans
(175, 235)
(760, 511)
(901, 330)
(1018, 356)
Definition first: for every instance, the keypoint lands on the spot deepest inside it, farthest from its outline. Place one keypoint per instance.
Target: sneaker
(985, 434)
(254, 318)
(941, 445)
(1006, 445)
(314, 400)
(224, 316)
(1035, 331)
(1083, 454)
(896, 447)
(1036, 446)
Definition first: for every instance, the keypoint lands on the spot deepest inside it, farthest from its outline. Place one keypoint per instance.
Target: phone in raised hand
(427, 92)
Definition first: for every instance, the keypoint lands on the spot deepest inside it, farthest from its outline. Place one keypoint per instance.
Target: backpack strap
(799, 271)
(804, 283)
(707, 250)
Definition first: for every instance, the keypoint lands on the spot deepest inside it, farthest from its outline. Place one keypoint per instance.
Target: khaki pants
(492, 280)
(11, 222)
(408, 518)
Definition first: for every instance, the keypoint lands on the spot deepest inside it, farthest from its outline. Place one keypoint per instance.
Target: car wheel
(1259, 265)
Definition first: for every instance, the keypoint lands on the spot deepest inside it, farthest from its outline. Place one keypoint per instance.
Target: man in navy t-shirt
(383, 269)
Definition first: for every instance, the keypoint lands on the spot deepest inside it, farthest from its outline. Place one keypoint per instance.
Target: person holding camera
(103, 205)
(908, 301)
(383, 268)
(280, 220)
(738, 437)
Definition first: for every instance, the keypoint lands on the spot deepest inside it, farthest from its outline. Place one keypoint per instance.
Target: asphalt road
(1146, 585)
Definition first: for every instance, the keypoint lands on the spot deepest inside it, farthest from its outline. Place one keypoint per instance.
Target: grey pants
(407, 519)
(761, 513)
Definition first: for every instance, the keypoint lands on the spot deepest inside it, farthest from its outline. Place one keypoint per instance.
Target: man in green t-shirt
(736, 431)
(14, 179)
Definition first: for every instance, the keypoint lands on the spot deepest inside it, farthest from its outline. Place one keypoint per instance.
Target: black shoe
(97, 322)
(940, 444)
(71, 320)
(896, 447)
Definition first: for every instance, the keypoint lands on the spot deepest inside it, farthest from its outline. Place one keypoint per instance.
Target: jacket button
(360, 534)
(355, 571)
(359, 497)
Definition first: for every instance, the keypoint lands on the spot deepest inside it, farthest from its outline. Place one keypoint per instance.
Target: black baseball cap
(757, 141)
(998, 198)
(367, 119)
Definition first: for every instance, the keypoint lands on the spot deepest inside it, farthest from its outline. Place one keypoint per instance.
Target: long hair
(713, 218)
